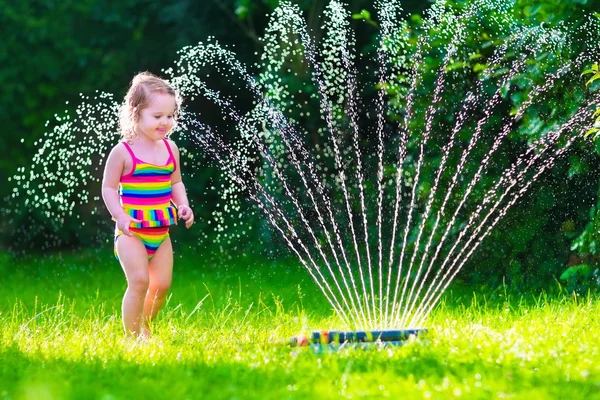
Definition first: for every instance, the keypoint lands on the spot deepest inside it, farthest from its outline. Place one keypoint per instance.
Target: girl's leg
(160, 270)
(134, 260)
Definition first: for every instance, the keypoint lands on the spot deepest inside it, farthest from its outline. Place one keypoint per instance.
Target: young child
(143, 192)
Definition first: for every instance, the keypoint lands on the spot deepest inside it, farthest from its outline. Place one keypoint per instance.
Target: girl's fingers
(189, 222)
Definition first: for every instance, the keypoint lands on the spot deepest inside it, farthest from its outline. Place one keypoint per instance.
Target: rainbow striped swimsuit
(146, 195)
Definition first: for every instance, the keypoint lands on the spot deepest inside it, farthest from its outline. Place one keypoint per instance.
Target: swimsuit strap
(170, 154)
(129, 150)
(134, 159)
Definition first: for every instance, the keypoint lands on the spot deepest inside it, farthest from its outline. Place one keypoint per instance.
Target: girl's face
(156, 120)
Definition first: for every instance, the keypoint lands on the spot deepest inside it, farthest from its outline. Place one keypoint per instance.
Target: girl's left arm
(178, 194)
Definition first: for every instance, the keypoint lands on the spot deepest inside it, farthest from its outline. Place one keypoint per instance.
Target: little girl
(143, 192)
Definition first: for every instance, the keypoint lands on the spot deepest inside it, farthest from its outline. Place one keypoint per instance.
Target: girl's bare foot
(146, 333)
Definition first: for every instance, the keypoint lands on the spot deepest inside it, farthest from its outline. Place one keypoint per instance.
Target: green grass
(222, 333)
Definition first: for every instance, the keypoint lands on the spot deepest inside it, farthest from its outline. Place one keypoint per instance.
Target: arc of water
(399, 169)
(380, 109)
(355, 132)
(63, 147)
(497, 56)
(273, 206)
(474, 139)
(388, 13)
(430, 113)
(545, 142)
(452, 47)
(506, 129)
(577, 118)
(461, 118)
(227, 105)
(255, 88)
(283, 126)
(294, 200)
(324, 99)
(321, 221)
(339, 309)
(281, 17)
(352, 107)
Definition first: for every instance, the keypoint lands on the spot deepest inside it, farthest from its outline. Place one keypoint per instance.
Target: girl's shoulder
(119, 148)
(118, 160)
(172, 145)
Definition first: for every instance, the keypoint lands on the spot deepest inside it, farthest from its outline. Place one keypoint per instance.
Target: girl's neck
(144, 141)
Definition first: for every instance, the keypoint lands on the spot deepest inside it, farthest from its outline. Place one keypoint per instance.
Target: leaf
(592, 79)
(364, 14)
(416, 18)
(582, 270)
(479, 67)
(588, 71)
(456, 65)
(591, 132)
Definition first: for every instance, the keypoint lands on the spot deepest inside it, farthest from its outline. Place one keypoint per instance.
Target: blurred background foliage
(53, 51)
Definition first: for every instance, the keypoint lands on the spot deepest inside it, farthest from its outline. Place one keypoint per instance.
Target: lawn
(223, 333)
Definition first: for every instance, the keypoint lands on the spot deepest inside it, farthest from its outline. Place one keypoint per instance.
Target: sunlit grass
(224, 329)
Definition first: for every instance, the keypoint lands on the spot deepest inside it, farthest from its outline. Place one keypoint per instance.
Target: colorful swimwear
(146, 192)
(146, 195)
(151, 238)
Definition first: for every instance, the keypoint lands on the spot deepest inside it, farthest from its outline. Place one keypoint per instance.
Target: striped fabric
(146, 192)
(151, 238)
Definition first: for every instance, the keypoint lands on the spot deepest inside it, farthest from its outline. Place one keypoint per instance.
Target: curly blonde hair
(138, 98)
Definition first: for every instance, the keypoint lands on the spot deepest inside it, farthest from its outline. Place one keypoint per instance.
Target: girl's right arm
(110, 189)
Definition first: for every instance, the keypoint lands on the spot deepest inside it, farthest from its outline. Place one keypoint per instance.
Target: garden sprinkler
(362, 339)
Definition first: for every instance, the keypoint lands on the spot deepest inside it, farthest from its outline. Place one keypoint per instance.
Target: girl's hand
(123, 222)
(186, 213)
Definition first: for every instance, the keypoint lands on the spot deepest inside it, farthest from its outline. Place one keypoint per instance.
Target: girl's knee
(138, 283)
(160, 288)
